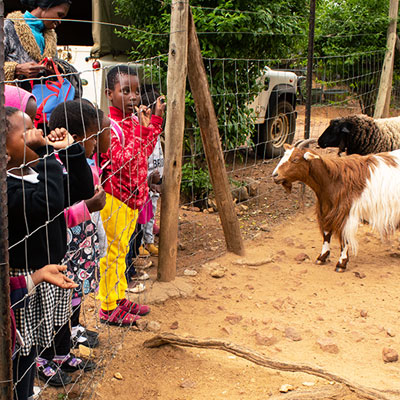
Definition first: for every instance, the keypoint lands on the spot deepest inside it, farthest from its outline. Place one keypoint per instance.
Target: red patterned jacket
(124, 166)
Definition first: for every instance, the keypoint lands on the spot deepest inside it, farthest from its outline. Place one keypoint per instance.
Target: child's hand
(60, 138)
(153, 182)
(53, 274)
(98, 201)
(34, 138)
(160, 106)
(144, 115)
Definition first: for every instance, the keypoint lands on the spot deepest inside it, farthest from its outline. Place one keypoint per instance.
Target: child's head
(80, 118)
(18, 154)
(149, 95)
(21, 99)
(123, 88)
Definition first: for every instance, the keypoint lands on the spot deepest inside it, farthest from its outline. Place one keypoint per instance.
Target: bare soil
(281, 309)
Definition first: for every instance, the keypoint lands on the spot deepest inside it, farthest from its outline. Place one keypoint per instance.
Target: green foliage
(196, 182)
(352, 34)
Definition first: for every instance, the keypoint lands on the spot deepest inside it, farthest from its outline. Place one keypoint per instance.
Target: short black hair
(10, 111)
(114, 72)
(43, 4)
(76, 116)
(149, 94)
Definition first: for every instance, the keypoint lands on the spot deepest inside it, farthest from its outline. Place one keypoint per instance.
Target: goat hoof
(340, 269)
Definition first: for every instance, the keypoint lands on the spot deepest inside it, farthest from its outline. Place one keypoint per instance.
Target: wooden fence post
(174, 129)
(385, 84)
(212, 143)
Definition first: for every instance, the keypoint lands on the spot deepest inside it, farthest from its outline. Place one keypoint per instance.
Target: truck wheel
(279, 128)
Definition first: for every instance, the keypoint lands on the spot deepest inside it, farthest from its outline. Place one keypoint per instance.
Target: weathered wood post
(5, 325)
(174, 129)
(212, 143)
(385, 84)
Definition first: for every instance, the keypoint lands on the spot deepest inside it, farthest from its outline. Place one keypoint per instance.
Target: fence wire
(259, 109)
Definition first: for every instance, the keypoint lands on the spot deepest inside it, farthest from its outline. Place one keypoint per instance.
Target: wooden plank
(385, 85)
(174, 129)
(212, 143)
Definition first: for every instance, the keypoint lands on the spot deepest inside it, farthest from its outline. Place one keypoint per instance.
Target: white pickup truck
(275, 112)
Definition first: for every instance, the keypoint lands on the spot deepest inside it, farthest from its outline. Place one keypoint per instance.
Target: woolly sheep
(361, 134)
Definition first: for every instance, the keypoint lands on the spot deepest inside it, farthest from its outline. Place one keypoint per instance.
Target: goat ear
(310, 156)
(287, 146)
(345, 129)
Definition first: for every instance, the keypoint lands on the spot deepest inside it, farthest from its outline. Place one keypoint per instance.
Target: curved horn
(304, 142)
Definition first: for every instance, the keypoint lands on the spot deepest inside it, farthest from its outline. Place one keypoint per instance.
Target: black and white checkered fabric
(47, 309)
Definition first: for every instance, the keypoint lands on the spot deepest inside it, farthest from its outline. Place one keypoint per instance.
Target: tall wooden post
(5, 325)
(212, 143)
(310, 62)
(385, 84)
(174, 129)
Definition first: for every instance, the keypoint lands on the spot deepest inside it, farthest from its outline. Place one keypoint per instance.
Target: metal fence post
(5, 326)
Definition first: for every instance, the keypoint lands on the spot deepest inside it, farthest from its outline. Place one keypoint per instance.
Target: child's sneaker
(81, 336)
(143, 252)
(152, 249)
(142, 263)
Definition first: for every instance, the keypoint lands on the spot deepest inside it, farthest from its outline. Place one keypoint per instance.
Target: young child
(149, 95)
(21, 287)
(38, 191)
(124, 180)
(21, 99)
(83, 255)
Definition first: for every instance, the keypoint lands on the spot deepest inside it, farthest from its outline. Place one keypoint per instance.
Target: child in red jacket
(125, 183)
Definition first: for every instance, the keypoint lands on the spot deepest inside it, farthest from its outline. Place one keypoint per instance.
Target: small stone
(187, 384)
(153, 326)
(265, 340)
(390, 332)
(210, 210)
(281, 253)
(227, 330)
(286, 388)
(181, 246)
(118, 376)
(364, 313)
(278, 303)
(189, 272)
(174, 325)
(141, 324)
(233, 319)
(217, 273)
(244, 207)
(292, 334)
(360, 275)
(194, 209)
(328, 345)
(356, 336)
(308, 383)
(301, 257)
(85, 351)
(265, 228)
(389, 355)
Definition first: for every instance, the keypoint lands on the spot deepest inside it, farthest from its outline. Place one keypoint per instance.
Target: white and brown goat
(349, 190)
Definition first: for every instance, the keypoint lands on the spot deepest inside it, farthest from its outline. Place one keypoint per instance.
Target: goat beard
(287, 186)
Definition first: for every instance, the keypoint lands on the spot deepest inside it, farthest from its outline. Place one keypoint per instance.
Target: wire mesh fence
(86, 193)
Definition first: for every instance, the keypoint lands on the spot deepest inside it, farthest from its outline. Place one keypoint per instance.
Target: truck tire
(279, 128)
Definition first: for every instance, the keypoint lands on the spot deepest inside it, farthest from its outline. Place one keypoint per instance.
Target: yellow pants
(119, 223)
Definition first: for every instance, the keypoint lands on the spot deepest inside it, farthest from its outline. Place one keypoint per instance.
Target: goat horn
(304, 142)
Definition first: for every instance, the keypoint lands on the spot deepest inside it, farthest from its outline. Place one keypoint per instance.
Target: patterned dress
(83, 257)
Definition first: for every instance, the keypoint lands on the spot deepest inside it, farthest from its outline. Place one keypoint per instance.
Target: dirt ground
(282, 309)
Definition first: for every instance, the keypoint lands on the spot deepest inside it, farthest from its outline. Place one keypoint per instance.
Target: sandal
(72, 364)
(52, 375)
(133, 308)
(118, 317)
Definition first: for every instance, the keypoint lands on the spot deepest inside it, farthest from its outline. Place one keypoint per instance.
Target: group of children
(81, 195)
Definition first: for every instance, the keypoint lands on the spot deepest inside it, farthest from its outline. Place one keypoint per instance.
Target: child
(83, 254)
(21, 287)
(38, 191)
(21, 99)
(124, 177)
(149, 95)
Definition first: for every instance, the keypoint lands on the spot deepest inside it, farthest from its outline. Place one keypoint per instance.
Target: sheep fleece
(373, 135)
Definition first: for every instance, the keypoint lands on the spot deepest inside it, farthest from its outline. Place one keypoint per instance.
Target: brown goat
(349, 190)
